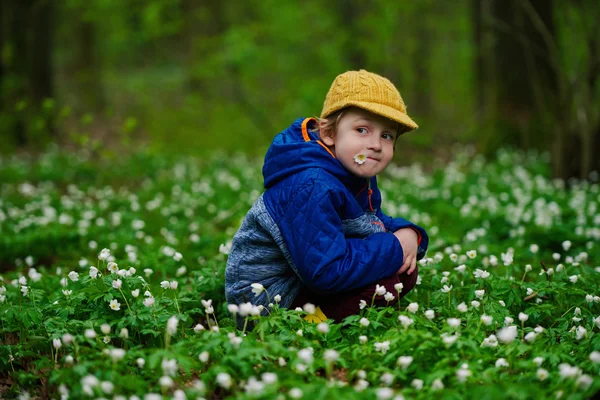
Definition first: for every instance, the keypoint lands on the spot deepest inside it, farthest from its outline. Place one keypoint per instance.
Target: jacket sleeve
(323, 257)
(393, 224)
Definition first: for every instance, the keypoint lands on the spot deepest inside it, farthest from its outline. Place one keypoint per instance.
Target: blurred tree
(27, 69)
(538, 78)
(511, 69)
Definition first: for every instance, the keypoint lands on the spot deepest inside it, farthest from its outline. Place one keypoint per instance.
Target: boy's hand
(408, 240)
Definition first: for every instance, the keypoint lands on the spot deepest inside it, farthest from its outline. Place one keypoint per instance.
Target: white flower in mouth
(360, 158)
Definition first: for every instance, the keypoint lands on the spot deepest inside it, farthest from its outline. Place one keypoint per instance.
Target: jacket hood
(296, 149)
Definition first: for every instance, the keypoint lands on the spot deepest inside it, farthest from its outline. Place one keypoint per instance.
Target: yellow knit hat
(370, 92)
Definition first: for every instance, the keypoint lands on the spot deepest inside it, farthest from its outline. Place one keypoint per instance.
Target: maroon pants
(340, 305)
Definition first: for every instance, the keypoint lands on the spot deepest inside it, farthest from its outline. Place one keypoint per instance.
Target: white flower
(105, 328)
(507, 258)
(360, 158)
(67, 292)
(530, 337)
(384, 393)
(117, 284)
(566, 245)
(116, 354)
(389, 296)
(413, 307)
(382, 347)
(56, 343)
(362, 339)
(269, 378)
(380, 290)
(149, 301)
(584, 381)
(502, 303)
(233, 308)
(580, 332)
(224, 380)
(323, 327)
(446, 288)
(595, 357)
(107, 387)
(479, 273)
(534, 248)
(364, 322)
(453, 322)
(538, 360)
(528, 267)
(257, 289)
(387, 378)
(135, 293)
(74, 276)
(462, 374)
(501, 362)
(173, 285)
(172, 325)
(417, 384)
(90, 333)
(486, 319)
(362, 304)
(331, 356)
(453, 257)
(523, 317)
(277, 298)
(309, 308)
(115, 305)
(507, 334)
(398, 287)
(104, 254)
(573, 278)
(208, 308)
(124, 333)
(542, 374)
(204, 356)
(472, 254)
(404, 361)
(165, 381)
(461, 268)
(148, 272)
(93, 272)
(448, 339)
(437, 384)
(295, 393)
(462, 307)
(113, 267)
(479, 293)
(475, 304)
(198, 327)
(490, 341)
(430, 314)
(181, 271)
(177, 256)
(568, 371)
(405, 321)
(306, 355)
(165, 285)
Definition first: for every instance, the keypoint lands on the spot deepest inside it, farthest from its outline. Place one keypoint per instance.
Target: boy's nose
(375, 144)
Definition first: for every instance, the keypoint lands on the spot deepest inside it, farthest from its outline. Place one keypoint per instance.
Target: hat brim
(404, 120)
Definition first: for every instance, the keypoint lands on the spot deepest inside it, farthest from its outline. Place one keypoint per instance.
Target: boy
(317, 234)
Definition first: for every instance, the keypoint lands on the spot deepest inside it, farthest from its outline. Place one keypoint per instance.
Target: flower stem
(126, 302)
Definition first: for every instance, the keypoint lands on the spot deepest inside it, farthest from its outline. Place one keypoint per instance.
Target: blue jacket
(316, 225)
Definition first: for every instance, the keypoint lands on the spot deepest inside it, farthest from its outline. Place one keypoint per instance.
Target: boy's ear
(328, 139)
(327, 136)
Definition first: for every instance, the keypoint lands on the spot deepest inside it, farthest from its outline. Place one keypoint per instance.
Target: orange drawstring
(370, 205)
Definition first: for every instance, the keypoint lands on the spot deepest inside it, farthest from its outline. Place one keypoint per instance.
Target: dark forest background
(192, 77)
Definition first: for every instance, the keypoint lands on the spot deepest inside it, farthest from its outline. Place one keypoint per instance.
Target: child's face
(360, 132)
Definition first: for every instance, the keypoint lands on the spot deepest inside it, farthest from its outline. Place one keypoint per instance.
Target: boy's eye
(361, 130)
(387, 136)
